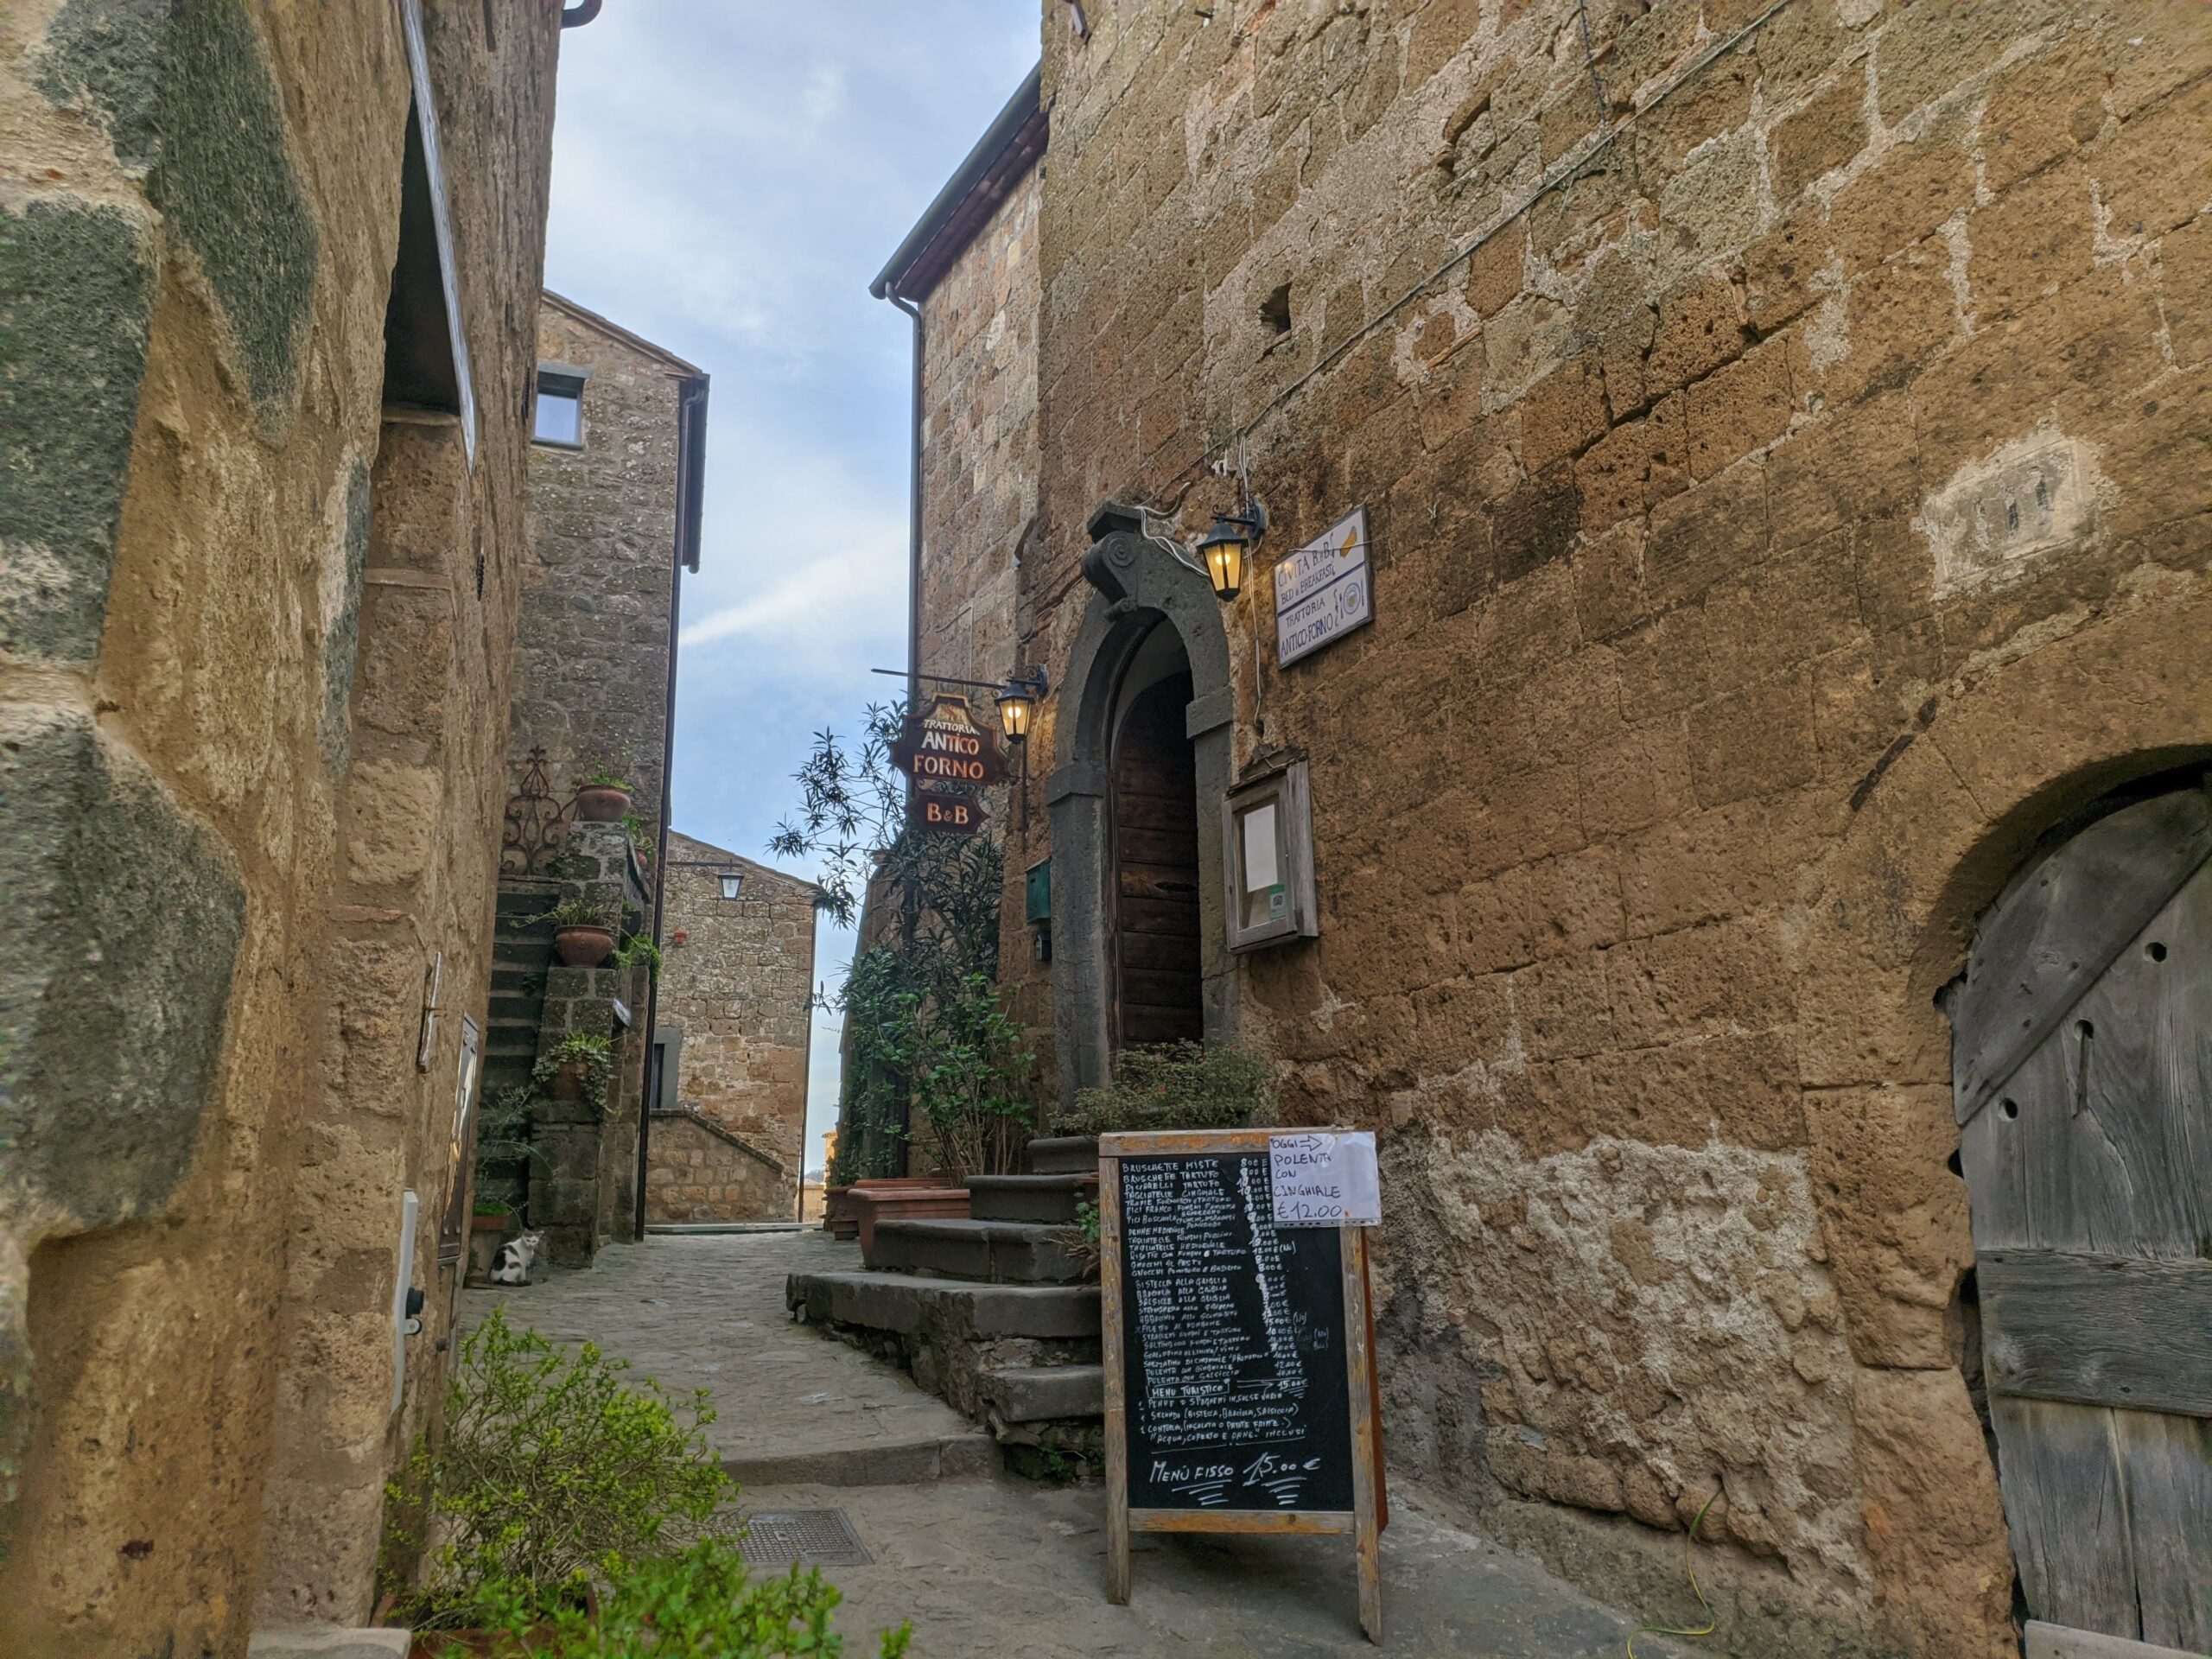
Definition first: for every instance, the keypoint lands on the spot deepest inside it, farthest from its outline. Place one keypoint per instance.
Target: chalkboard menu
(1239, 1389)
(1234, 1334)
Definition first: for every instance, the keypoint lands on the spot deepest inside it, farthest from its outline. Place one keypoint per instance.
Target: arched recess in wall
(1143, 587)
(2006, 770)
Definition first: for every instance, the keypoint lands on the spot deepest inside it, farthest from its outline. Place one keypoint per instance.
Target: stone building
(269, 275)
(968, 276)
(616, 477)
(736, 1010)
(1779, 432)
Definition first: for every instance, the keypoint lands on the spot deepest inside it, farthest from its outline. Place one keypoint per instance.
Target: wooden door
(1155, 862)
(2082, 1067)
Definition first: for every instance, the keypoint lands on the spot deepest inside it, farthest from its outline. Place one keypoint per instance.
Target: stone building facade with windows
(269, 276)
(1779, 430)
(728, 1142)
(616, 482)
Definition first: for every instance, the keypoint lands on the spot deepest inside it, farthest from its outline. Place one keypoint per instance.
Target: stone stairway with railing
(996, 1314)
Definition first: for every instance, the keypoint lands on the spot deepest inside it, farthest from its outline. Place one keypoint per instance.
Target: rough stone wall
(591, 678)
(1780, 432)
(221, 792)
(979, 458)
(737, 977)
(697, 1171)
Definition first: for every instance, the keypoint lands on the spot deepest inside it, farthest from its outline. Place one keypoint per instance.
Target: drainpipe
(691, 486)
(909, 902)
(914, 510)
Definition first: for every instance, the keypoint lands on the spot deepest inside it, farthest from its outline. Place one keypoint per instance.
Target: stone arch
(1998, 770)
(1142, 583)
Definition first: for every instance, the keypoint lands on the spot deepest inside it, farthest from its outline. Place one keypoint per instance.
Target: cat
(515, 1259)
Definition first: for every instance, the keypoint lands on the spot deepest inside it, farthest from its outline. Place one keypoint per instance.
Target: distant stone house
(615, 482)
(728, 1139)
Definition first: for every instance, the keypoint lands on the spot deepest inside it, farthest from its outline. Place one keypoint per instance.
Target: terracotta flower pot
(583, 947)
(483, 1224)
(600, 803)
(567, 1081)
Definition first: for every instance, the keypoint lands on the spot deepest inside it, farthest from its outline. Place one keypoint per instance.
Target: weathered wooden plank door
(2083, 1069)
(1157, 983)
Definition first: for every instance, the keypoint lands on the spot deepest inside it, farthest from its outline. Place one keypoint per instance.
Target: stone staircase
(991, 1313)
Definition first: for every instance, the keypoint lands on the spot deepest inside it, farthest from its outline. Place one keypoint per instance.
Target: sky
(728, 176)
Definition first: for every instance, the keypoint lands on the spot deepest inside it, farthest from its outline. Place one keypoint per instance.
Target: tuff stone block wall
(697, 1171)
(738, 977)
(249, 788)
(979, 466)
(1780, 428)
(591, 678)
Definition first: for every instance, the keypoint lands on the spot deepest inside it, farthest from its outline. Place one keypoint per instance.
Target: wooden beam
(2132, 1332)
(2056, 1641)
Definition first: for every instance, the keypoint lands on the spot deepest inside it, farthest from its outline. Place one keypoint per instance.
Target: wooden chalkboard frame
(1363, 1520)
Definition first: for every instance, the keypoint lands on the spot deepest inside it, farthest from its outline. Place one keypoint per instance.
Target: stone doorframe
(1142, 582)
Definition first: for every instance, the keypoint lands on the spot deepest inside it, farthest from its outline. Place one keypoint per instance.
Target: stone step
(997, 1252)
(950, 1457)
(1037, 1394)
(1030, 1197)
(949, 1309)
(1063, 1154)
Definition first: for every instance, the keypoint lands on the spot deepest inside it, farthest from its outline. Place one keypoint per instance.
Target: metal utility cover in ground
(812, 1537)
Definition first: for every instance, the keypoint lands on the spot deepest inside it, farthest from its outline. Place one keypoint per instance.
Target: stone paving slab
(707, 1311)
(988, 1568)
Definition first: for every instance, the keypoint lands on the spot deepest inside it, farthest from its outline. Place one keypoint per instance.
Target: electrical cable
(1712, 1619)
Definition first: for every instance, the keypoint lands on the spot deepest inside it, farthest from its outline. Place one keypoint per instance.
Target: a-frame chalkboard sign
(1240, 1380)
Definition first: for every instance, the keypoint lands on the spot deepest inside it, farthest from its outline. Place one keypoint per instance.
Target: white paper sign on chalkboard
(1326, 1178)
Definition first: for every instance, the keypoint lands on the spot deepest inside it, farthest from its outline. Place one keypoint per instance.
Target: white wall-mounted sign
(1322, 591)
(1325, 1178)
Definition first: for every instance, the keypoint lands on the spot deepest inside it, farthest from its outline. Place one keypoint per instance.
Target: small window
(1268, 858)
(560, 418)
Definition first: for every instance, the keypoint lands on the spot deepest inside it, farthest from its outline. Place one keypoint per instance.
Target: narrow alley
(988, 1564)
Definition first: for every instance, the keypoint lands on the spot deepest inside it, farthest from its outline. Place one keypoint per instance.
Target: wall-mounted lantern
(732, 880)
(1221, 549)
(1017, 700)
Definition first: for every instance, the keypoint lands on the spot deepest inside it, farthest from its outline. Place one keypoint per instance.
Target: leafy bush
(1172, 1086)
(636, 949)
(698, 1604)
(966, 1067)
(553, 1471)
(608, 778)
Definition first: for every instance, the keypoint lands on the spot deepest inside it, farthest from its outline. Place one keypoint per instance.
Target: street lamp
(1221, 549)
(731, 883)
(1017, 700)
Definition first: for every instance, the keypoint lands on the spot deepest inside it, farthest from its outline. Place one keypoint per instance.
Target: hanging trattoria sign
(943, 744)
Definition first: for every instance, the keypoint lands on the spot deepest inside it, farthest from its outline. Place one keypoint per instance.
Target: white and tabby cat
(518, 1257)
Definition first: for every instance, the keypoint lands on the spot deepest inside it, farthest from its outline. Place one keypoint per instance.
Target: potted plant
(603, 797)
(583, 932)
(578, 1067)
(492, 1214)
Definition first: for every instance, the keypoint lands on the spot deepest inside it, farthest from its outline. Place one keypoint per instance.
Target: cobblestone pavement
(706, 1311)
(1000, 1568)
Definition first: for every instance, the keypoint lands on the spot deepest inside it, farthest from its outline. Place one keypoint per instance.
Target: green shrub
(964, 1063)
(552, 1471)
(1172, 1086)
(697, 1604)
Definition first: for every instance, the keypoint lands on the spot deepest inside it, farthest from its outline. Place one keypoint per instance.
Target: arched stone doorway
(1141, 953)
